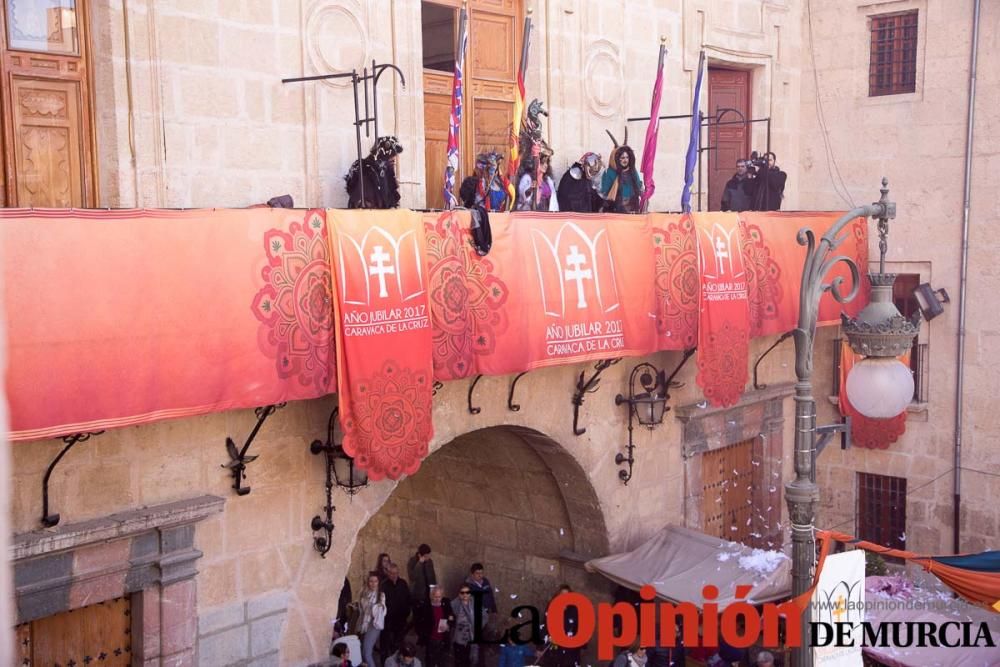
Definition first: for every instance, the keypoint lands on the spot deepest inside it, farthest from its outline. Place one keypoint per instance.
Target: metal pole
(802, 493)
(701, 119)
(374, 100)
(357, 134)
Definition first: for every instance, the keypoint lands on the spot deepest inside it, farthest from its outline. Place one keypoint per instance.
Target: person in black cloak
(378, 170)
(579, 187)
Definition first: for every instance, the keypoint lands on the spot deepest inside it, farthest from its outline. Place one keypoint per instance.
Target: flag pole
(515, 136)
(455, 121)
(652, 130)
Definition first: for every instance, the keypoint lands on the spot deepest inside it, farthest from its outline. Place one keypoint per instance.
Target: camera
(756, 162)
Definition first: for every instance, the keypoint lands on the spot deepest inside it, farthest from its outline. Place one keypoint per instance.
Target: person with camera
(769, 182)
(738, 193)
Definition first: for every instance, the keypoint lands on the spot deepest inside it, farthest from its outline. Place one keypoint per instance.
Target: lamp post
(880, 333)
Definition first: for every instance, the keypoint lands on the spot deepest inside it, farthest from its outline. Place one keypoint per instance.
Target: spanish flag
(515, 134)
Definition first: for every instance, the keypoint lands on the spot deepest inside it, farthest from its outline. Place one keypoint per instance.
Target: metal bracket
(825, 433)
(50, 520)
(472, 387)
(588, 386)
(238, 458)
(670, 378)
(323, 543)
(511, 405)
(785, 336)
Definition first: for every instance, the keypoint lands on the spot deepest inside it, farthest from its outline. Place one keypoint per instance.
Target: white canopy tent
(679, 562)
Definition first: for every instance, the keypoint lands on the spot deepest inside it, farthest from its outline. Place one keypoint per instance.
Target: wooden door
(727, 89)
(494, 55)
(99, 634)
(437, 112)
(45, 110)
(727, 479)
(490, 73)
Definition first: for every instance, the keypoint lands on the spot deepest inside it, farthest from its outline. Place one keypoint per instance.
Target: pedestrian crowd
(390, 610)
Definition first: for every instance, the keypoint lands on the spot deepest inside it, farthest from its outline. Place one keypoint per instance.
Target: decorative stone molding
(327, 50)
(759, 416)
(604, 65)
(148, 553)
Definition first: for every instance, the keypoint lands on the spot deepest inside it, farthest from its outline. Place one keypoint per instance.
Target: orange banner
(724, 325)
(383, 327)
(578, 286)
(124, 317)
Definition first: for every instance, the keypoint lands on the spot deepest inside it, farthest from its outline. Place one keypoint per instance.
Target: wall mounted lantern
(340, 470)
(930, 300)
(647, 403)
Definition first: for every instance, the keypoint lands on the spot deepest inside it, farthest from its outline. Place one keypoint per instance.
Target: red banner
(724, 325)
(124, 317)
(383, 328)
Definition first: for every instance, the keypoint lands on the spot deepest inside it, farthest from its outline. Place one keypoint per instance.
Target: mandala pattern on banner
(723, 364)
(466, 299)
(294, 306)
(676, 283)
(764, 291)
(391, 422)
(874, 433)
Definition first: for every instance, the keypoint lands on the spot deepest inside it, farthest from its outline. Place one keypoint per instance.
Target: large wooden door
(45, 113)
(99, 634)
(491, 62)
(727, 479)
(727, 89)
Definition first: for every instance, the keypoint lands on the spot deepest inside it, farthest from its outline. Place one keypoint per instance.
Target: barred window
(893, 67)
(882, 509)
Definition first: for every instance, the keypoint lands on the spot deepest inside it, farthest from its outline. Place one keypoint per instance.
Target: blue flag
(692, 152)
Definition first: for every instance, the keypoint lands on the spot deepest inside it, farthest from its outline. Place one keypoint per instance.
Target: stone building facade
(190, 112)
(917, 140)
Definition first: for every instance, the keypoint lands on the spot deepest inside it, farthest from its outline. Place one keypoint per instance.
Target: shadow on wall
(508, 497)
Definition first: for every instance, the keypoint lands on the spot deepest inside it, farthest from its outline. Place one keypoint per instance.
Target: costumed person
(536, 189)
(488, 186)
(579, 188)
(621, 185)
(546, 199)
(378, 174)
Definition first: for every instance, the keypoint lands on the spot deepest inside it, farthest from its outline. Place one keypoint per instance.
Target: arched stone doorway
(509, 497)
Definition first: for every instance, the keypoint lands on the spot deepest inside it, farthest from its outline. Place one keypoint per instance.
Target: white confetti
(513, 596)
(702, 405)
(562, 532)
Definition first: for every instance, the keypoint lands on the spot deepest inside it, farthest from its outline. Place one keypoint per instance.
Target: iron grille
(882, 509)
(893, 66)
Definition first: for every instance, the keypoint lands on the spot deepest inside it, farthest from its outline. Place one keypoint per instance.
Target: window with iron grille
(882, 509)
(893, 66)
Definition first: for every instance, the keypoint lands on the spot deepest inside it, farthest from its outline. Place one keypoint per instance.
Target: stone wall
(209, 122)
(917, 140)
(486, 497)
(260, 545)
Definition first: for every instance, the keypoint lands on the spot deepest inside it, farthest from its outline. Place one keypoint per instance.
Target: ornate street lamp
(881, 334)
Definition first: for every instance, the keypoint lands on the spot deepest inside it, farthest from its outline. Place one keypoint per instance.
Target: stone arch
(507, 496)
